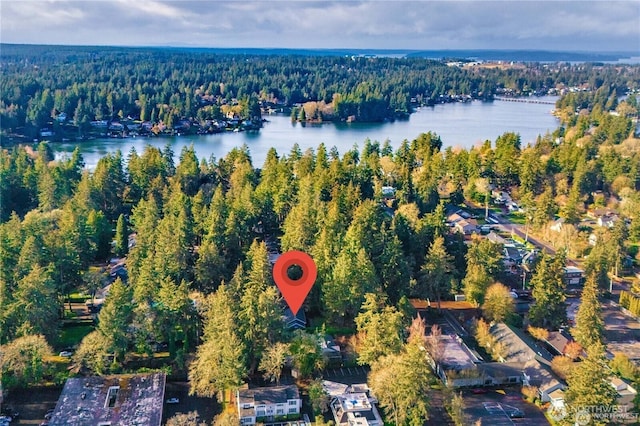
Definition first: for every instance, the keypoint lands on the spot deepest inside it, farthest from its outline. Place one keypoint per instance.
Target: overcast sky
(546, 25)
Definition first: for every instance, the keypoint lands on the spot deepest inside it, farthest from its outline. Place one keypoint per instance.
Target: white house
(552, 391)
(626, 393)
(607, 221)
(556, 398)
(269, 404)
(557, 225)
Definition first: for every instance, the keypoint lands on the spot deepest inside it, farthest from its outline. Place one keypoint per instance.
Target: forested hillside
(65, 92)
(197, 234)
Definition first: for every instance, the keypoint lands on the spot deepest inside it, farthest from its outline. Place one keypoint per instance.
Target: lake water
(458, 124)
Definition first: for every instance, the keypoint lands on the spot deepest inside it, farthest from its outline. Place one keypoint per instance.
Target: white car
(66, 354)
(172, 401)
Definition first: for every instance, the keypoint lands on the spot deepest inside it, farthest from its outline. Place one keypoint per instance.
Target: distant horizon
(389, 49)
(484, 55)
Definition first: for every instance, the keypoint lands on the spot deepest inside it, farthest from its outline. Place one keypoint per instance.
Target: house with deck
(352, 405)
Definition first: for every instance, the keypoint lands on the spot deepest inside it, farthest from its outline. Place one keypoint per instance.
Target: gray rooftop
(138, 400)
(519, 347)
(455, 354)
(270, 395)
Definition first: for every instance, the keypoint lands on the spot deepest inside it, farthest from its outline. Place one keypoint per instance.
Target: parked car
(66, 354)
(516, 414)
(172, 401)
(513, 412)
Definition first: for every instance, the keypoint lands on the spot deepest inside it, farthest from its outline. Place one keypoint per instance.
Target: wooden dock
(525, 100)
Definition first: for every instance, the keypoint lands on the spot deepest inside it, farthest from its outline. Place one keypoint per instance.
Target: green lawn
(72, 334)
(518, 218)
(78, 297)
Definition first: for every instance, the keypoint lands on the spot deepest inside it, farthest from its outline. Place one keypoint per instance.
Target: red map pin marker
(295, 291)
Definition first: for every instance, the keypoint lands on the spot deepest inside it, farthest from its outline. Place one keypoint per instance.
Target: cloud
(553, 25)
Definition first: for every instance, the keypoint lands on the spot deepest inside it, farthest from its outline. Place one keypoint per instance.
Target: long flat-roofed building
(127, 400)
(268, 405)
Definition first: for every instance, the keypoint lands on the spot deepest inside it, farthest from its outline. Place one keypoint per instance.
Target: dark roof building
(558, 341)
(128, 400)
(295, 322)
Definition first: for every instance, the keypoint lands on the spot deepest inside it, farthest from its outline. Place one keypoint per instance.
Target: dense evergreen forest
(197, 234)
(76, 92)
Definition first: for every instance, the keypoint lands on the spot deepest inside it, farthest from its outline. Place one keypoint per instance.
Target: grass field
(72, 334)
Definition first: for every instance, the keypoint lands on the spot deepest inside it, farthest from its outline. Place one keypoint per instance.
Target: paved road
(502, 222)
(505, 225)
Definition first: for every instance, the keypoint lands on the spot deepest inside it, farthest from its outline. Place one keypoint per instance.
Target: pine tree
(379, 329)
(401, 382)
(219, 363)
(589, 324)
(122, 237)
(175, 314)
(300, 226)
(209, 268)
(483, 265)
(306, 353)
(549, 310)
(588, 383)
(115, 318)
(476, 282)
(353, 277)
(393, 267)
(260, 321)
(434, 280)
(36, 306)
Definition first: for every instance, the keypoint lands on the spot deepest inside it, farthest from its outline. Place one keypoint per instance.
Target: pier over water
(525, 100)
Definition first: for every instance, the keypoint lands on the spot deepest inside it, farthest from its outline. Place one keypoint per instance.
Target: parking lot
(207, 408)
(32, 404)
(619, 327)
(347, 375)
(493, 408)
